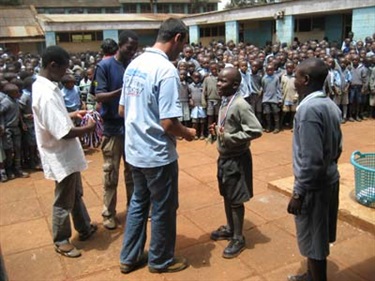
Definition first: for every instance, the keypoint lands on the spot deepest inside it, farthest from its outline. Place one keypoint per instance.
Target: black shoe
(302, 277)
(358, 119)
(222, 233)
(142, 261)
(87, 234)
(234, 248)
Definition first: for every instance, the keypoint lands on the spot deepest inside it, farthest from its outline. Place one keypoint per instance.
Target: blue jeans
(158, 186)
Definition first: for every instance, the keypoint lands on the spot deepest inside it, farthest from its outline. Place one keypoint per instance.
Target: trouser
(113, 150)
(158, 186)
(68, 200)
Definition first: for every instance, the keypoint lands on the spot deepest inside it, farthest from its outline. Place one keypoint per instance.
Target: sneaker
(276, 131)
(142, 261)
(4, 177)
(178, 264)
(202, 138)
(222, 233)
(87, 234)
(21, 174)
(301, 277)
(110, 222)
(11, 175)
(234, 248)
(343, 121)
(67, 250)
(351, 119)
(358, 119)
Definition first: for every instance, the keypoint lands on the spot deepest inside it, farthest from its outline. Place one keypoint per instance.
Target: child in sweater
(272, 99)
(198, 114)
(289, 92)
(237, 126)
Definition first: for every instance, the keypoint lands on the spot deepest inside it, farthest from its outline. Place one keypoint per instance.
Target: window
(56, 11)
(130, 8)
(212, 31)
(63, 37)
(318, 23)
(211, 7)
(94, 10)
(79, 36)
(163, 8)
(74, 10)
(178, 8)
(145, 8)
(112, 10)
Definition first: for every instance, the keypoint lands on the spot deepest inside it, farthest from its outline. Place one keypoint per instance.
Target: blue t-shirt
(149, 94)
(108, 77)
(72, 98)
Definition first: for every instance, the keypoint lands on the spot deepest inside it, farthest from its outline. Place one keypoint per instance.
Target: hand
(80, 113)
(190, 134)
(211, 129)
(91, 124)
(295, 206)
(28, 116)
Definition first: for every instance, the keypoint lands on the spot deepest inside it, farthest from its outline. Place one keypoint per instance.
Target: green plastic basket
(364, 172)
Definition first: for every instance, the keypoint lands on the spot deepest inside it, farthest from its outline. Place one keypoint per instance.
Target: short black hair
(169, 28)
(109, 46)
(56, 54)
(125, 35)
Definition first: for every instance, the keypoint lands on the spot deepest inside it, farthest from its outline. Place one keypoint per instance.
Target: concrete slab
(349, 210)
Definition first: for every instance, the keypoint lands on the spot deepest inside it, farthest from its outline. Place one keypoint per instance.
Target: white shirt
(60, 157)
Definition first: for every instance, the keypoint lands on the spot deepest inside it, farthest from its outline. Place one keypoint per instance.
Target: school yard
(271, 254)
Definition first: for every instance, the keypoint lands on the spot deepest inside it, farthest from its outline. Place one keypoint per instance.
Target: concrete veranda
(271, 254)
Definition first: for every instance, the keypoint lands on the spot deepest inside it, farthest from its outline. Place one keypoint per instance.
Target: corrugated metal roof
(71, 3)
(19, 22)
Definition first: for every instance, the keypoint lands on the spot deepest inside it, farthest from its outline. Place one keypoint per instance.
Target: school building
(79, 27)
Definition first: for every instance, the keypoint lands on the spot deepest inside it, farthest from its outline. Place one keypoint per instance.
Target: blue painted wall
(231, 31)
(334, 26)
(260, 34)
(363, 22)
(285, 29)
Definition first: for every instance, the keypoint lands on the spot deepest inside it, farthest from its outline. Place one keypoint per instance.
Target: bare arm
(174, 127)
(121, 110)
(104, 97)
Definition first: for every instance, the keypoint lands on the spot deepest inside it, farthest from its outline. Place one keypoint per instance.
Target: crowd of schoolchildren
(267, 85)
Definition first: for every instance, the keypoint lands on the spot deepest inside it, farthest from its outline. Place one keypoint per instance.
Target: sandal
(67, 250)
(87, 234)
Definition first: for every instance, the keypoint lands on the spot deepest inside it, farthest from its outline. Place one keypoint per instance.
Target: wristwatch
(296, 196)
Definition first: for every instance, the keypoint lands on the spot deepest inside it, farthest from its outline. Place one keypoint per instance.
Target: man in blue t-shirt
(108, 82)
(152, 109)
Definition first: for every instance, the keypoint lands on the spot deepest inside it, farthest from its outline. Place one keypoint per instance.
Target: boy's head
(355, 60)
(331, 63)
(243, 66)
(206, 62)
(289, 68)
(228, 82)
(255, 66)
(214, 68)
(68, 81)
(55, 61)
(196, 77)
(12, 90)
(183, 75)
(190, 67)
(182, 66)
(270, 69)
